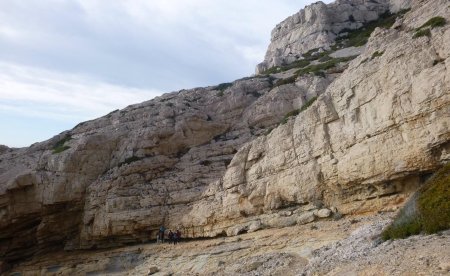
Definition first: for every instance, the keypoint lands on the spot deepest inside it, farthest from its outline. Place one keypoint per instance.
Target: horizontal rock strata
(217, 161)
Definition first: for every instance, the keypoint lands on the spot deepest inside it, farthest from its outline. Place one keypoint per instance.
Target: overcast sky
(67, 61)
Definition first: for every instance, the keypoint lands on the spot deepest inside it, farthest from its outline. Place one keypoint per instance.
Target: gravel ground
(349, 246)
(364, 253)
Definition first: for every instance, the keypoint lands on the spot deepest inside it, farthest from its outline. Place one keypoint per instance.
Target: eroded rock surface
(114, 180)
(216, 161)
(319, 24)
(370, 140)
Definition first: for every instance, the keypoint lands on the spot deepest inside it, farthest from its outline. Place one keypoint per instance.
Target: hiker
(171, 238)
(177, 236)
(162, 229)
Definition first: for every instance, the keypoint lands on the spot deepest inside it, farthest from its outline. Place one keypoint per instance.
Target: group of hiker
(174, 237)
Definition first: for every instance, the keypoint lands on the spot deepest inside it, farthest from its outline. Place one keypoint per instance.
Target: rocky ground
(349, 246)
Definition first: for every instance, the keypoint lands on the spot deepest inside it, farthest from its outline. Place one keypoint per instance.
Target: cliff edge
(335, 132)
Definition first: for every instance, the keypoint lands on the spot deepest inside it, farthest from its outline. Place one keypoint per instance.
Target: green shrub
(434, 22)
(325, 58)
(285, 81)
(406, 223)
(223, 86)
(421, 33)
(296, 64)
(292, 113)
(359, 37)
(320, 74)
(377, 54)
(322, 66)
(59, 146)
(427, 211)
(308, 104)
(434, 202)
(295, 112)
(309, 54)
(271, 70)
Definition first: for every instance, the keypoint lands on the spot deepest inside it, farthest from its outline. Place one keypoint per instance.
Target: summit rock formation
(339, 135)
(318, 25)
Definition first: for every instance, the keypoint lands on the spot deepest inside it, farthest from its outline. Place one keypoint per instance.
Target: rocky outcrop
(114, 180)
(318, 25)
(372, 138)
(215, 161)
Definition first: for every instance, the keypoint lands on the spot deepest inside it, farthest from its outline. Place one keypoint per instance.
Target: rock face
(318, 25)
(116, 179)
(215, 161)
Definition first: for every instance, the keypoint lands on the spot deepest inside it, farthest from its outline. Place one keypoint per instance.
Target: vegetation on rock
(427, 211)
(296, 64)
(434, 22)
(286, 81)
(425, 29)
(434, 202)
(377, 54)
(60, 147)
(421, 33)
(323, 66)
(223, 86)
(359, 37)
(298, 111)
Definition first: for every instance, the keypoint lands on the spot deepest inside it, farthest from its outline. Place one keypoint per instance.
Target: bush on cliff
(427, 211)
(60, 145)
(295, 112)
(434, 22)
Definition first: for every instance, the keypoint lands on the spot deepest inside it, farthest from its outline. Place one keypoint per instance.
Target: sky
(67, 61)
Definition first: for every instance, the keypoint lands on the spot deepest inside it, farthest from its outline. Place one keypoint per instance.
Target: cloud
(41, 93)
(164, 45)
(62, 62)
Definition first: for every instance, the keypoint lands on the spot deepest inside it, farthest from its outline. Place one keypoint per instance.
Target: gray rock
(316, 26)
(305, 218)
(208, 159)
(323, 213)
(347, 52)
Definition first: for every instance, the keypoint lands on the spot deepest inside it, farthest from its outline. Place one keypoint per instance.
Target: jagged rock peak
(318, 25)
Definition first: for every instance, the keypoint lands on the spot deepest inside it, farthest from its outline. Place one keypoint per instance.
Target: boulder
(323, 213)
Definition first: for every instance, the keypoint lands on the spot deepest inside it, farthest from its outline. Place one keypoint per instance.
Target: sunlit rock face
(319, 24)
(227, 159)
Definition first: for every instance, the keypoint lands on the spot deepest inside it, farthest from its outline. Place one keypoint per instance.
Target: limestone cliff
(217, 161)
(318, 25)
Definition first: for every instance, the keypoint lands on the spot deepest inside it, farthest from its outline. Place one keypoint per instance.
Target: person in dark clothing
(177, 236)
(162, 229)
(171, 237)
